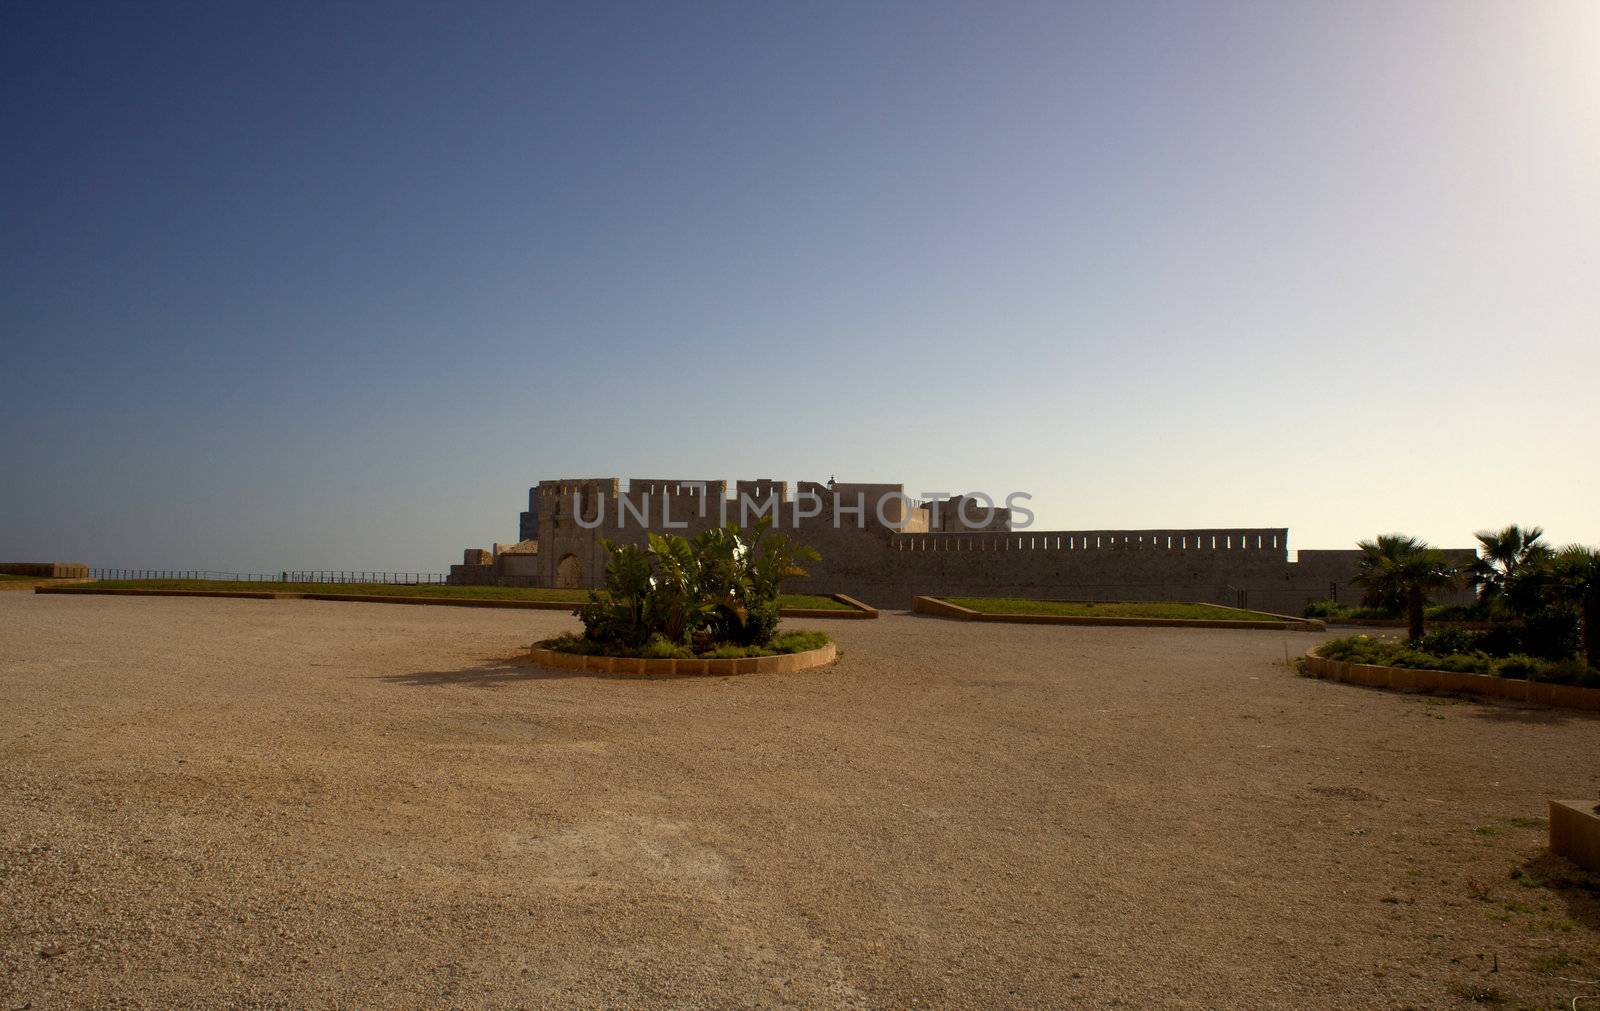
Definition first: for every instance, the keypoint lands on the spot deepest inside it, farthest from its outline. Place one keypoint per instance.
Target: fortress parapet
(880, 545)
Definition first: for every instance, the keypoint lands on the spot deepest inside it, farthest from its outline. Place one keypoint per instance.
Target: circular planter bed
(1414, 679)
(780, 663)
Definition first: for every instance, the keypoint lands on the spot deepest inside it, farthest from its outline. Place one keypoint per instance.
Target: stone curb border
(782, 663)
(1575, 832)
(859, 610)
(945, 609)
(1406, 679)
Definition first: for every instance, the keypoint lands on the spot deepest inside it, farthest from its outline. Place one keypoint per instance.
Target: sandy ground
(306, 804)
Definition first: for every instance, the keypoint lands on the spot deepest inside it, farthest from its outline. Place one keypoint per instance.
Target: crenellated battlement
(1268, 539)
(579, 486)
(762, 489)
(880, 545)
(673, 486)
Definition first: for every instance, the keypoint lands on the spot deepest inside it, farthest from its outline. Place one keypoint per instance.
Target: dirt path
(296, 803)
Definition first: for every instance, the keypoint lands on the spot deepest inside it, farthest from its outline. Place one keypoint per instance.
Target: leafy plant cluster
(715, 595)
(1432, 654)
(1326, 608)
(1541, 606)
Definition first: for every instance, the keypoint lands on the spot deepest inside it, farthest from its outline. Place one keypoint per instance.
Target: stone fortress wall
(886, 548)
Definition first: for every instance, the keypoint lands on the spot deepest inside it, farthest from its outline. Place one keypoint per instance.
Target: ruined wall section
(575, 516)
(966, 513)
(887, 567)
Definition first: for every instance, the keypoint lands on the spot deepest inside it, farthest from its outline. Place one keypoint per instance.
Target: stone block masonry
(881, 546)
(45, 570)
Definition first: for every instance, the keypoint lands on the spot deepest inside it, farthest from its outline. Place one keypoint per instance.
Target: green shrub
(570, 643)
(1388, 653)
(618, 618)
(798, 642)
(1356, 649)
(1325, 608)
(1550, 636)
(660, 648)
(1570, 671)
(1461, 663)
(672, 593)
(1408, 658)
(741, 577)
(1450, 640)
(1542, 608)
(1518, 666)
(1375, 613)
(761, 623)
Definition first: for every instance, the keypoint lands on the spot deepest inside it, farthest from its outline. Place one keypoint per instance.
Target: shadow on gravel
(1477, 706)
(1578, 889)
(1531, 715)
(490, 674)
(517, 669)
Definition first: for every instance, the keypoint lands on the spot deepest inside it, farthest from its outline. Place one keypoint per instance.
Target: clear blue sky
(330, 285)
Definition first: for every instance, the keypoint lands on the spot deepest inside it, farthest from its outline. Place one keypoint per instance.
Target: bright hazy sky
(330, 285)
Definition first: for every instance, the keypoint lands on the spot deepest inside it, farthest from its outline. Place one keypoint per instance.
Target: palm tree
(1501, 553)
(1576, 581)
(1397, 567)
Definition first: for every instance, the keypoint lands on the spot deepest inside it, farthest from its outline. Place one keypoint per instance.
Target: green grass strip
(539, 593)
(1091, 609)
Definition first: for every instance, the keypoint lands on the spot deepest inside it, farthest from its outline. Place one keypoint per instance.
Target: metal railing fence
(365, 576)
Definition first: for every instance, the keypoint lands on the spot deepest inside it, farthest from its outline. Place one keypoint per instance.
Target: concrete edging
(1575, 832)
(858, 610)
(1406, 679)
(944, 609)
(782, 663)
